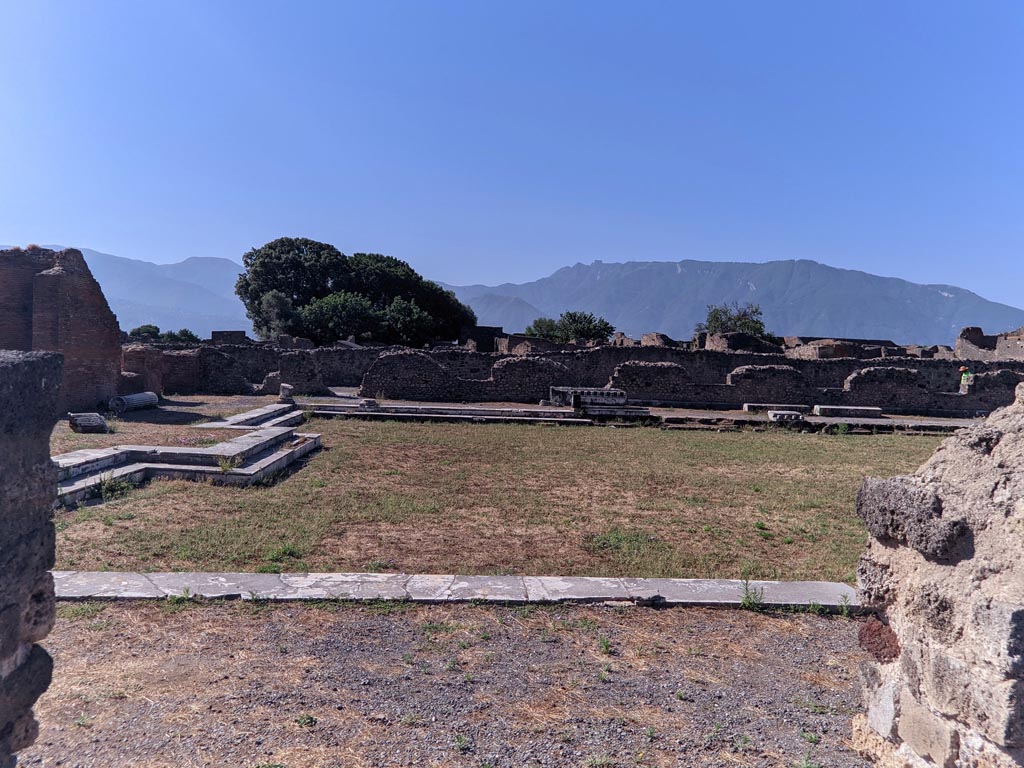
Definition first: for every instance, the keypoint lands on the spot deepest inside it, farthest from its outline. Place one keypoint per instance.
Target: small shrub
(305, 721)
(753, 597)
(111, 488)
(228, 463)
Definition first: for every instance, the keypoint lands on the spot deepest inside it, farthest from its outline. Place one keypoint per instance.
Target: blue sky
(485, 141)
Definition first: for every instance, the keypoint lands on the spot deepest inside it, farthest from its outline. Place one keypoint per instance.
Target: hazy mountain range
(798, 297)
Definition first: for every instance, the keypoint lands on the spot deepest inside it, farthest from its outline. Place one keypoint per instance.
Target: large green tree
(581, 326)
(732, 318)
(307, 288)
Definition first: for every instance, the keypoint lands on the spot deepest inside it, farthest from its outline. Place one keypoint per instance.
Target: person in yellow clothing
(965, 378)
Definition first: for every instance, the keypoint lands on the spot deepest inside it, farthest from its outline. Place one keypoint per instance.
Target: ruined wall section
(49, 301)
(944, 571)
(29, 390)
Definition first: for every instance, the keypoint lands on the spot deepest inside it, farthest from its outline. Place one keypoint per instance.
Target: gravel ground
(341, 686)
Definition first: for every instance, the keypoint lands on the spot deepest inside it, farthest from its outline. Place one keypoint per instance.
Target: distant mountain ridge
(798, 297)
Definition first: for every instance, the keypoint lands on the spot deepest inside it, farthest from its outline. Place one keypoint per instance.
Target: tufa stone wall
(945, 573)
(49, 301)
(29, 390)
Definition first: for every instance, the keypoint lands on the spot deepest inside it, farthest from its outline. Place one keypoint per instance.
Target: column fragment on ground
(29, 389)
(944, 570)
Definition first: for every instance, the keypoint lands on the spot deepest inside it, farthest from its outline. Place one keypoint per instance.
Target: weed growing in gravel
(87, 610)
(810, 738)
(844, 606)
(815, 707)
(451, 665)
(176, 603)
(432, 628)
(753, 597)
(305, 720)
(407, 658)
(649, 733)
(806, 762)
(816, 608)
(462, 744)
(600, 762)
(388, 607)
(604, 644)
(82, 721)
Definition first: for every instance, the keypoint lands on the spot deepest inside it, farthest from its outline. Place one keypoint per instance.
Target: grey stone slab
(825, 593)
(344, 586)
(501, 589)
(581, 589)
(104, 584)
(686, 591)
(214, 585)
(429, 587)
(730, 592)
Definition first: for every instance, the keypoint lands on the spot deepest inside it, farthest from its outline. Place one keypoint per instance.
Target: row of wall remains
(652, 375)
(975, 344)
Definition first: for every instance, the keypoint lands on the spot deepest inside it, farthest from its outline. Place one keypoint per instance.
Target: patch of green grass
(305, 720)
(88, 609)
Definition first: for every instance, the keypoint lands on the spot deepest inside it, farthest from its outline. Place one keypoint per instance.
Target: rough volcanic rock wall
(29, 389)
(49, 301)
(945, 571)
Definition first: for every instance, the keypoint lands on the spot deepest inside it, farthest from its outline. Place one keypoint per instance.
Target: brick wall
(29, 391)
(49, 301)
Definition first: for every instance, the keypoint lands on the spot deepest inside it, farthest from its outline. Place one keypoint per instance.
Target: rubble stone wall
(944, 571)
(49, 301)
(29, 391)
(649, 374)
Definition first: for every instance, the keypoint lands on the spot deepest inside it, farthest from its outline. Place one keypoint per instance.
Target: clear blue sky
(485, 141)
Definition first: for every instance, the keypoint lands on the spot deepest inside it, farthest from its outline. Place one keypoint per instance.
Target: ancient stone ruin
(29, 385)
(945, 572)
(49, 301)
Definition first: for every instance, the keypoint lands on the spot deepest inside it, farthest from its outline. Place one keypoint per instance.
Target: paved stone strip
(428, 588)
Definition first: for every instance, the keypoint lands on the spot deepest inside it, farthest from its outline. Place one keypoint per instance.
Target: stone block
(928, 734)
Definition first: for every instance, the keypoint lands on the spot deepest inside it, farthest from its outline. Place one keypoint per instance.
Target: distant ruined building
(50, 302)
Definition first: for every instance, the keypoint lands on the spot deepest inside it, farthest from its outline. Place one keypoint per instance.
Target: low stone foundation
(945, 572)
(29, 391)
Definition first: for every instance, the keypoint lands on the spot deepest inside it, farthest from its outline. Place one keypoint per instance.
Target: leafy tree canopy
(582, 326)
(146, 332)
(732, 318)
(151, 332)
(306, 288)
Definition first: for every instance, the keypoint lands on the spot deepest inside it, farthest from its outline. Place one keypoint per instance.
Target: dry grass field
(462, 498)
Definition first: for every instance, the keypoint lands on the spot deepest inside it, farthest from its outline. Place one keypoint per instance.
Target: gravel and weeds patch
(458, 498)
(331, 684)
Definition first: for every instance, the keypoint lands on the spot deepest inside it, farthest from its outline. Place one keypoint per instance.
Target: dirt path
(329, 686)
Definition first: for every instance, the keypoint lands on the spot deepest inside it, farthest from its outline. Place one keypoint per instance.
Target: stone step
(851, 411)
(249, 419)
(452, 410)
(763, 407)
(256, 460)
(431, 588)
(447, 417)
